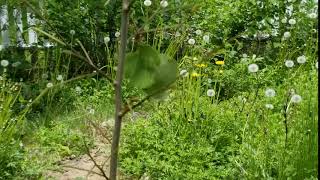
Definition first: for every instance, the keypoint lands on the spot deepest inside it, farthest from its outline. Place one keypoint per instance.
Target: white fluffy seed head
(59, 78)
(301, 59)
(211, 92)
(284, 20)
(312, 15)
(49, 85)
(106, 39)
(253, 68)
(147, 3)
(269, 106)
(72, 32)
(270, 92)
(117, 34)
(289, 63)
(184, 73)
(292, 21)
(164, 3)
(206, 38)
(296, 98)
(4, 63)
(191, 41)
(78, 89)
(286, 35)
(198, 32)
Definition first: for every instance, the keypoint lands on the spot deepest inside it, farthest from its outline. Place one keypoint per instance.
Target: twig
(94, 161)
(88, 59)
(100, 131)
(82, 169)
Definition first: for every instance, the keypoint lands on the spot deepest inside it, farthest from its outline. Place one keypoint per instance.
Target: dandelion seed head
(312, 15)
(147, 3)
(301, 59)
(211, 92)
(284, 20)
(191, 41)
(292, 21)
(270, 92)
(198, 32)
(184, 73)
(106, 39)
(59, 77)
(72, 32)
(269, 106)
(289, 63)
(164, 3)
(78, 89)
(296, 98)
(286, 35)
(49, 85)
(117, 34)
(206, 38)
(253, 68)
(4, 63)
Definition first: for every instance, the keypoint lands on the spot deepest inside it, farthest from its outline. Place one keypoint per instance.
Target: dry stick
(100, 131)
(88, 59)
(94, 161)
(82, 169)
(117, 83)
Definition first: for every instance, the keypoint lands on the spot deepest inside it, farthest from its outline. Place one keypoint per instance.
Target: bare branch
(82, 169)
(94, 161)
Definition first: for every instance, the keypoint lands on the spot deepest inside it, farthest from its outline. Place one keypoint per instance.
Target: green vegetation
(220, 89)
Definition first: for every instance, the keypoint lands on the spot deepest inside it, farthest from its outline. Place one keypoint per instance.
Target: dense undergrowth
(244, 104)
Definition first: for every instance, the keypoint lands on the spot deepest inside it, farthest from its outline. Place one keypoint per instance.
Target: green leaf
(165, 74)
(149, 70)
(141, 65)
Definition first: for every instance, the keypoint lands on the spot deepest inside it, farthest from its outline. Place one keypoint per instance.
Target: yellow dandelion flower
(194, 74)
(220, 62)
(201, 65)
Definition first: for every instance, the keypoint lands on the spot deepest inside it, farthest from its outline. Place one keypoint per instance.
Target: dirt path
(83, 168)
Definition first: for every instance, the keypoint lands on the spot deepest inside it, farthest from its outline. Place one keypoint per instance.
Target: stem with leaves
(117, 83)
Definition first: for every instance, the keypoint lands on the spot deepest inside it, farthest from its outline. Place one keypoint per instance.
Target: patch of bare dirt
(83, 168)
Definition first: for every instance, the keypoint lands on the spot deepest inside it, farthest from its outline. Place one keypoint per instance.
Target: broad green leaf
(141, 65)
(165, 74)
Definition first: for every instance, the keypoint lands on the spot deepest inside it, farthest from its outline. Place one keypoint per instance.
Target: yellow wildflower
(194, 74)
(201, 65)
(220, 62)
